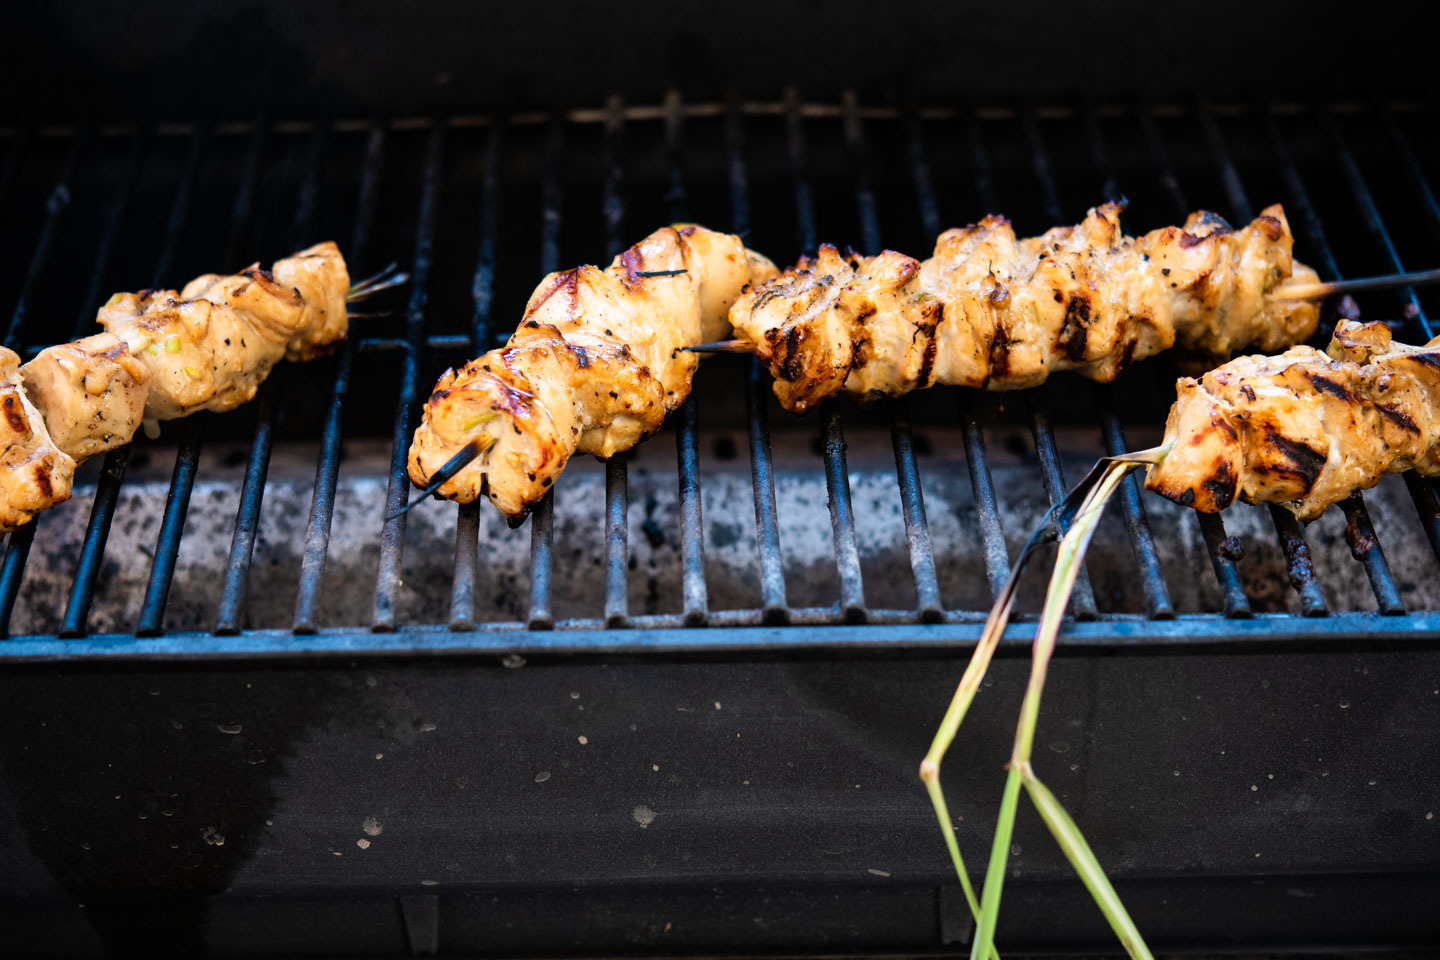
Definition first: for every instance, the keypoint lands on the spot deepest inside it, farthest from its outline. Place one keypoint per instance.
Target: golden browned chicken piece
(593, 368)
(165, 355)
(991, 311)
(1305, 428)
(34, 475)
(93, 392)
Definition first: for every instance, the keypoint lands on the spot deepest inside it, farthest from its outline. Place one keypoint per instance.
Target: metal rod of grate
(482, 294)
(912, 497)
(694, 596)
(1142, 542)
(773, 608)
(392, 537)
(762, 471)
(1224, 550)
(230, 616)
(327, 467)
(1082, 600)
(837, 477)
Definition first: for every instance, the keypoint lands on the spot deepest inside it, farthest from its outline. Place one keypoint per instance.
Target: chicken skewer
(595, 365)
(1305, 429)
(993, 312)
(165, 354)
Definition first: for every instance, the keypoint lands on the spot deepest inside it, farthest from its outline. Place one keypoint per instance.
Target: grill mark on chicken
(15, 417)
(1221, 485)
(1399, 418)
(1305, 462)
(1075, 328)
(1326, 385)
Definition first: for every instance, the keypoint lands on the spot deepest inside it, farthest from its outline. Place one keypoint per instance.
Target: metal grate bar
(231, 613)
(482, 289)
(1142, 543)
(327, 467)
(987, 504)
(987, 508)
(912, 497)
(1082, 599)
(392, 536)
(1292, 537)
(1053, 478)
(542, 518)
(247, 515)
(172, 526)
(687, 440)
(1224, 550)
(837, 478)
(617, 602)
(762, 471)
(1374, 221)
(112, 469)
(1359, 531)
(1152, 580)
(187, 459)
(842, 516)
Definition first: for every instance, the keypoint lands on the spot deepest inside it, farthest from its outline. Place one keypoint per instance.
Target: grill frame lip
(826, 635)
(792, 111)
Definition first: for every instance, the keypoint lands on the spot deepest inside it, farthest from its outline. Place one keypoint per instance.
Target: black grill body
(573, 760)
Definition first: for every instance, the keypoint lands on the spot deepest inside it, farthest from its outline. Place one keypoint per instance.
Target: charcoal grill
(1252, 734)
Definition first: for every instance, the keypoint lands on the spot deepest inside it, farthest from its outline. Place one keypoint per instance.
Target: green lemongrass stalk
(975, 672)
(1062, 583)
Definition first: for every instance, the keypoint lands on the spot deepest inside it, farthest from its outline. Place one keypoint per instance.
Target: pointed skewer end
(446, 473)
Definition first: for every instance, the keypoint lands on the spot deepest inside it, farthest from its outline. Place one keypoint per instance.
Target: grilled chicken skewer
(164, 354)
(595, 365)
(991, 311)
(1304, 429)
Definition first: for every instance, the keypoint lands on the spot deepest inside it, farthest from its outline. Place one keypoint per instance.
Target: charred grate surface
(478, 207)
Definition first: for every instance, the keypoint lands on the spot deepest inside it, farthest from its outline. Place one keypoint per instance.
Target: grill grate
(908, 147)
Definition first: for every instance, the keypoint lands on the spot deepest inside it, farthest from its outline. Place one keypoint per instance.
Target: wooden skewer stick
(1299, 291)
(723, 346)
(454, 465)
(1318, 291)
(391, 276)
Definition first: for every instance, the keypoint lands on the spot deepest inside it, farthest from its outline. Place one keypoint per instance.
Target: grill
(829, 625)
(818, 158)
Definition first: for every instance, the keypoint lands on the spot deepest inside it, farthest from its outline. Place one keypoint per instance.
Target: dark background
(111, 57)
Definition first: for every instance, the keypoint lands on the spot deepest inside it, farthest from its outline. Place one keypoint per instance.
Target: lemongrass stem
(1083, 859)
(1062, 584)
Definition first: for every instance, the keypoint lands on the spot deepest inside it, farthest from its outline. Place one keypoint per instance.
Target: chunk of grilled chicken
(93, 392)
(1305, 428)
(988, 310)
(34, 474)
(593, 368)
